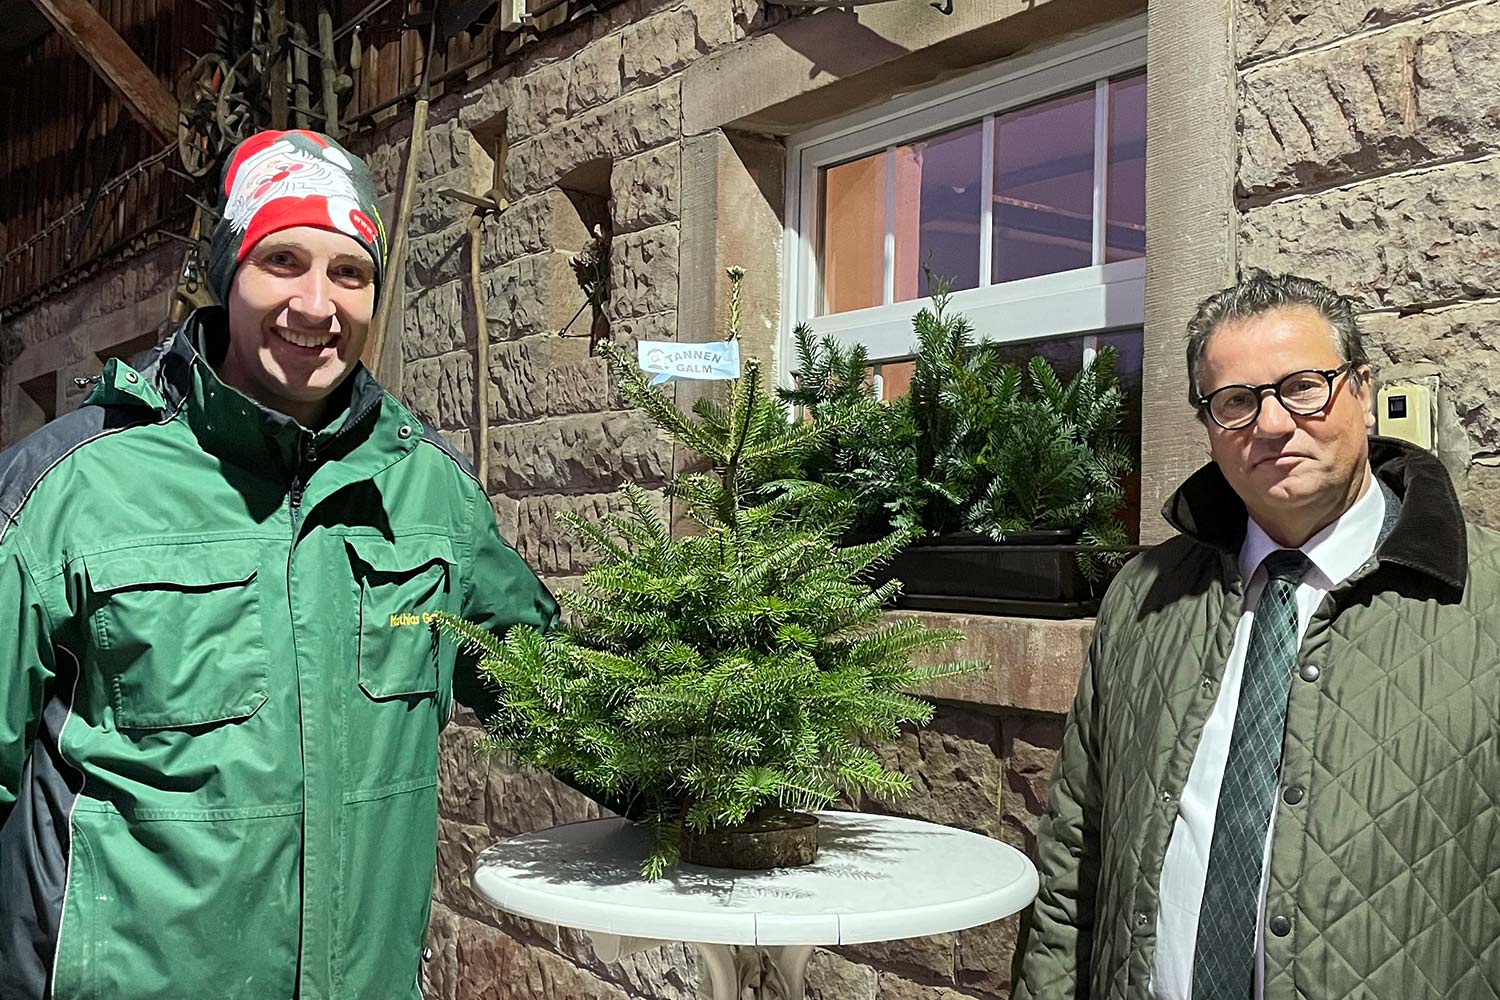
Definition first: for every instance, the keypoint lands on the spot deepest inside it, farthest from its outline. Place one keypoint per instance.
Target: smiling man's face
(1296, 474)
(299, 312)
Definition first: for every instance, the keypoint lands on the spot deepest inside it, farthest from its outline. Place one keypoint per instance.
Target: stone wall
(596, 135)
(67, 334)
(593, 120)
(1369, 133)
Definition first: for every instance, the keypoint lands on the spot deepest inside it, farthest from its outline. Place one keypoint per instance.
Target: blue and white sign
(669, 362)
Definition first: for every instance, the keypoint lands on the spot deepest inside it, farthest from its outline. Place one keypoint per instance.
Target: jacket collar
(234, 426)
(1429, 535)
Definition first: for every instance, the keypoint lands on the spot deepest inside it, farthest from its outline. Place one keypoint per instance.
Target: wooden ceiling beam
(145, 96)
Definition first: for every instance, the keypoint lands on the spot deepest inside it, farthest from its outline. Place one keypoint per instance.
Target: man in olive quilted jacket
(1281, 774)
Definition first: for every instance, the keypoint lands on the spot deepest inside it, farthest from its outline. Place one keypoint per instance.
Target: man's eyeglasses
(1303, 393)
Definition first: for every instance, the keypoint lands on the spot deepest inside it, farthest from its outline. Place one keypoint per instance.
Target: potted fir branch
(1012, 476)
(725, 683)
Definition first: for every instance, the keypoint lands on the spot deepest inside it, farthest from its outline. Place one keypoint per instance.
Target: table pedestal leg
(772, 973)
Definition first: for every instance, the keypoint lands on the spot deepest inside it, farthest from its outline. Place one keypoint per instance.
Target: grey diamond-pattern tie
(1224, 957)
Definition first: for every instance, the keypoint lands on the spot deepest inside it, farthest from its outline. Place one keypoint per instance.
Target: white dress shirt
(1335, 553)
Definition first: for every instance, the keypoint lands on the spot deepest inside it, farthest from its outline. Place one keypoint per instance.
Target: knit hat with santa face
(278, 180)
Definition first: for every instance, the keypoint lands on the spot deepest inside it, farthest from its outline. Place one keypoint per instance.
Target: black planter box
(1034, 574)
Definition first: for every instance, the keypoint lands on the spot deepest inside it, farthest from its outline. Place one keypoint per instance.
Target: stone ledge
(1034, 662)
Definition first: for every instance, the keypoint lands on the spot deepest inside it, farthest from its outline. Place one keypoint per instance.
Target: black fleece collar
(1429, 536)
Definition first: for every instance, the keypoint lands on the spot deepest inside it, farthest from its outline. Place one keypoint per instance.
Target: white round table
(877, 878)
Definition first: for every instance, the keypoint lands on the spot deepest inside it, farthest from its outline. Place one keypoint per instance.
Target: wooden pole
(396, 262)
(139, 89)
(482, 350)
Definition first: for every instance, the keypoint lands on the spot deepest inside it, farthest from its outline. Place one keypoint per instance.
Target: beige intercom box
(1405, 410)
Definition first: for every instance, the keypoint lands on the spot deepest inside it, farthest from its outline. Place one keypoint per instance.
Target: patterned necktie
(1224, 959)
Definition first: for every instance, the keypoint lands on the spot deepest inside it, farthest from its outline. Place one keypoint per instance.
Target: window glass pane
(937, 210)
(1044, 188)
(1125, 194)
(853, 234)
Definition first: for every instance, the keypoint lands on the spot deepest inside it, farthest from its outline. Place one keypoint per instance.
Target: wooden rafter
(91, 35)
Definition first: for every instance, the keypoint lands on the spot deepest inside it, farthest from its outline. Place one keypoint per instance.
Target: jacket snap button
(1140, 918)
(404, 432)
(1309, 672)
(1292, 795)
(1280, 926)
(426, 954)
(132, 377)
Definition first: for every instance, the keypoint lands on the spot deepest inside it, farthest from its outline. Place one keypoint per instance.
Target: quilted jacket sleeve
(26, 665)
(1058, 936)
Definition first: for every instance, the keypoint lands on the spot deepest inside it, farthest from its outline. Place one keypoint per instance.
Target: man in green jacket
(1281, 775)
(219, 693)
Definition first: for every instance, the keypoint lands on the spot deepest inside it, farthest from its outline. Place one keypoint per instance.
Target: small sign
(668, 361)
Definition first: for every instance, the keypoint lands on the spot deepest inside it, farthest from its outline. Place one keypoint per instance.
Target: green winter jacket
(1385, 861)
(219, 695)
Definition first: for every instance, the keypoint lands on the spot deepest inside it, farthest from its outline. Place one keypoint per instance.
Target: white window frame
(1085, 301)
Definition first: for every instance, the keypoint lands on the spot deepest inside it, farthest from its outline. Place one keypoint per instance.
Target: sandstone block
(539, 99)
(436, 257)
(507, 510)
(593, 452)
(458, 844)
(719, 22)
(462, 775)
(664, 973)
(482, 106)
(420, 388)
(596, 75)
(1034, 663)
(926, 958)
(440, 975)
(1398, 99)
(540, 222)
(986, 955)
(1269, 27)
(552, 548)
(1464, 342)
(894, 987)
(643, 273)
(1479, 493)
(455, 391)
(659, 46)
(436, 322)
(831, 977)
(546, 375)
(1029, 746)
(644, 189)
(524, 801)
(626, 331)
(628, 125)
(1424, 237)
(955, 770)
(538, 293)
(433, 212)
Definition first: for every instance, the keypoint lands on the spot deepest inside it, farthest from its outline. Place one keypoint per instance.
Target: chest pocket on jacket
(400, 584)
(178, 632)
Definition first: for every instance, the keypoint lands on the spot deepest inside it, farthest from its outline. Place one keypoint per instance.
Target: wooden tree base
(769, 838)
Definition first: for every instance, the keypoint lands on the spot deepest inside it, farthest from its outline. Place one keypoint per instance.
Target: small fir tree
(978, 445)
(738, 668)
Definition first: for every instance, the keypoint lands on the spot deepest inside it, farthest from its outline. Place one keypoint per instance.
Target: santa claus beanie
(278, 180)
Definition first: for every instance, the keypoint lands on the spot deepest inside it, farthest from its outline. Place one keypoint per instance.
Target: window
(1024, 185)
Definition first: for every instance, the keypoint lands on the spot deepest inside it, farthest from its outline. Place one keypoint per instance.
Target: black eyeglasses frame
(1331, 374)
